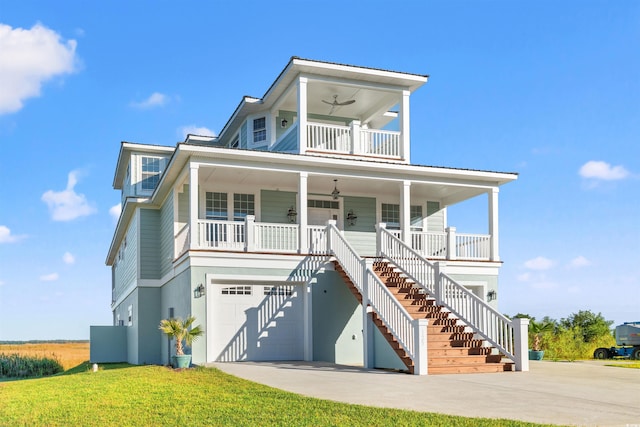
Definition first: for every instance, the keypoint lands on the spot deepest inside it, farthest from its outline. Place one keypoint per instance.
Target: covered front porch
(244, 208)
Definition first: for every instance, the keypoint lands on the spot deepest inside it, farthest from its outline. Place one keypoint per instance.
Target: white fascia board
(126, 150)
(396, 78)
(320, 165)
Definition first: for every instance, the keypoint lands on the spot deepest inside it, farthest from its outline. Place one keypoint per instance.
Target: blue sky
(547, 89)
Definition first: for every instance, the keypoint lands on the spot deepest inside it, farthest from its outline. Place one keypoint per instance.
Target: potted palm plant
(181, 330)
(536, 329)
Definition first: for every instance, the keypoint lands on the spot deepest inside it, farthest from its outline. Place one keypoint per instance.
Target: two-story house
(304, 232)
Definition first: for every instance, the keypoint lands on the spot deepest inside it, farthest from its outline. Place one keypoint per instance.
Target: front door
(320, 211)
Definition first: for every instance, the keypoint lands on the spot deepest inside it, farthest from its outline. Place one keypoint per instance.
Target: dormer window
(150, 172)
(259, 130)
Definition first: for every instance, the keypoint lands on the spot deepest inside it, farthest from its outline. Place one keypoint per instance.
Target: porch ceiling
(370, 104)
(227, 177)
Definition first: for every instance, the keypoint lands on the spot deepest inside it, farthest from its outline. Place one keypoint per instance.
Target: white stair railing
(476, 313)
(404, 328)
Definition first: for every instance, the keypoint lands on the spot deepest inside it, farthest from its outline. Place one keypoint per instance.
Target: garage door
(256, 322)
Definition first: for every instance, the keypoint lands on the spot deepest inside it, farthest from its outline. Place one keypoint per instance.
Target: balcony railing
(251, 236)
(353, 139)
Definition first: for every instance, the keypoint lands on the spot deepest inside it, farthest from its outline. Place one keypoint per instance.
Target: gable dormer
(325, 108)
(139, 169)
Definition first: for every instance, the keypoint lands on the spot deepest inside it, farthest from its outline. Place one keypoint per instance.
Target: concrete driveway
(579, 393)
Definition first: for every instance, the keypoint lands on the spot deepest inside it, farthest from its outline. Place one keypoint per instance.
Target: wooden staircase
(451, 348)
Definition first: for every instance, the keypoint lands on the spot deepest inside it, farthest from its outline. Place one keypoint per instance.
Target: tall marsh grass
(17, 366)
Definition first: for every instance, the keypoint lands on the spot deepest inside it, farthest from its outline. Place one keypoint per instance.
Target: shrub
(16, 366)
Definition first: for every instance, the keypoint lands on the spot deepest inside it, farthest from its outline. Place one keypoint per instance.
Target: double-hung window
(391, 215)
(150, 172)
(259, 130)
(243, 205)
(216, 206)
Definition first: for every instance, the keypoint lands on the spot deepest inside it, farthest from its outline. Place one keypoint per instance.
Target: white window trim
(267, 126)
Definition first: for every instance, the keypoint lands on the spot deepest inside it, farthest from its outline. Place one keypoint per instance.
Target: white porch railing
(449, 245)
(473, 246)
(410, 333)
(383, 143)
(329, 137)
(353, 139)
(477, 314)
(276, 237)
(214, 234)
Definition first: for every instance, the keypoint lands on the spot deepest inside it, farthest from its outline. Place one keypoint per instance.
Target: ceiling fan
(335, 103)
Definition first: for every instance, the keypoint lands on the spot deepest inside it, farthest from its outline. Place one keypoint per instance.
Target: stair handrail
(485, 320)
(394, 316)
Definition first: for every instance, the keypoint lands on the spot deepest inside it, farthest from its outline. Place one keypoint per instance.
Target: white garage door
(256, 322)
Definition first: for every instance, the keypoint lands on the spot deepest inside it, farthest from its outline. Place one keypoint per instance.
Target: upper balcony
(325, 108)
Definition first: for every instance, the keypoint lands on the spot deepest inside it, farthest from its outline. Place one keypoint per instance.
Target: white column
(193, 206)
(438, 269)
(405, 213)
(308, 322)
(421, 361)
(521, 343)
(493, 224)
(452, 249)
(302, 212)
(302, 114)
(367, 346)
(356, 144)
(249, 233)
(405, 149)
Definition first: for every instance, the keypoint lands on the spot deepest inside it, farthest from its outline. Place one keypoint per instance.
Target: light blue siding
(243, 135)
(274, 205)
(166, 236)
(125, 269)
(149, 244)
(435, 217)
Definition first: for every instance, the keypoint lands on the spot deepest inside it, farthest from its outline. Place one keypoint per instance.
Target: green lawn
(154, 395)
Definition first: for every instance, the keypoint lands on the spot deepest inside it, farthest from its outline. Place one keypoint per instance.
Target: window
(278, 290)
(323, 204)
(216, 206)
(243, 205)
(416, 218)
(391, 216)
(150, 172)
(237, 290)
(259, 130)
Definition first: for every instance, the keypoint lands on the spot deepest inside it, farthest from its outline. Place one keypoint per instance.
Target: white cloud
(195, 130)
(7, 237)
(115, 211)
(67, 205)
(539, 263)
(68, 258)
(156, 99)
(49, 277)
(579, 262)
(543, 285)
(603, 170)
(30, 58)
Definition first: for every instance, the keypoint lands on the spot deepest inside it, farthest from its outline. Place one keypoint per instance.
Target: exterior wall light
(492, 295)
(283, 123)
(292, 215)
(352, 218)
(335, 193)
(198, 291)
